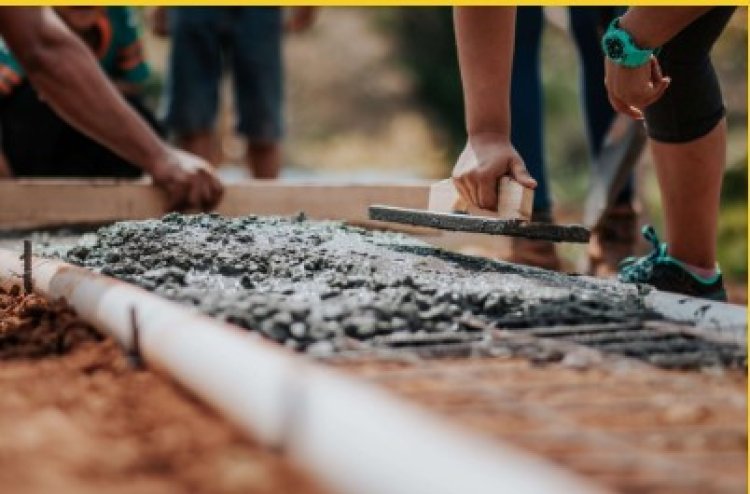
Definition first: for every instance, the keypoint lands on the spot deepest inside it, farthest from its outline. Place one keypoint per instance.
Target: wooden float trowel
(446, 210)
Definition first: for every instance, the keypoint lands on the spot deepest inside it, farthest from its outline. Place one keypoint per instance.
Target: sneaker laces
(638, 269)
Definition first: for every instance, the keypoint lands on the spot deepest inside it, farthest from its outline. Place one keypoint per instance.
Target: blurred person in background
(36, 142)
(615, 239)
(205, 40)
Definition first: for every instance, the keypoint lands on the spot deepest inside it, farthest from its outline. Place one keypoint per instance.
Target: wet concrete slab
(324, 287)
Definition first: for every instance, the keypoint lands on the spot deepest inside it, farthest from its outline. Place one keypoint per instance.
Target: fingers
(655, 67)
(621, 107)
(195, 193)
(176, 194)
(470, 184)
(216, 192)
(630, 90)
(202, 191)
(658, 85)
(521, 174)
(462, 189)
(659, 90)
(212, 192)
(487, 191)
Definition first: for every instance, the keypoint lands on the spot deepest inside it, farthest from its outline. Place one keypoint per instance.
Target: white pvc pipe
(712, 319)
(353, 436)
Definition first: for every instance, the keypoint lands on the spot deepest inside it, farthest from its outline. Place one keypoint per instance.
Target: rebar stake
(135, 357)
(27, 284)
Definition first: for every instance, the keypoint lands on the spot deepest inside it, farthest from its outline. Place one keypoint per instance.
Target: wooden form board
(26, 204)
(42, 203)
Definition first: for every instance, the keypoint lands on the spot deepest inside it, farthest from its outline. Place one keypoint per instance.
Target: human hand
(485, 159)
(300, 19)
(630, 90)
(158, 19)
(188, 181)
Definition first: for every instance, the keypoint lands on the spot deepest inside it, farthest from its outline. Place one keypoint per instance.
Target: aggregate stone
(304, 282)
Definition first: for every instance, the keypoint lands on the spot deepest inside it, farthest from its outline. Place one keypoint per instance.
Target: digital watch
(619, 47)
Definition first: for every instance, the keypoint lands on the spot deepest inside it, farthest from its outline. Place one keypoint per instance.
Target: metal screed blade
(480, 224)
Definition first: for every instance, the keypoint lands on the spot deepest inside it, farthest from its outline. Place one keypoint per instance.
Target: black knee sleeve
(692, 105)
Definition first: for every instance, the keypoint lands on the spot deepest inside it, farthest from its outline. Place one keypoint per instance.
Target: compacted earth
(75, 417)
(326, 287)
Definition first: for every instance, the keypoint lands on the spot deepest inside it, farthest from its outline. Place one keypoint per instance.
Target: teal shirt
(120, 52)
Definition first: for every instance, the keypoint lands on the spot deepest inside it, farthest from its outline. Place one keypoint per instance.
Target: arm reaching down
(66, 75)
(484, 36)
(632, 89)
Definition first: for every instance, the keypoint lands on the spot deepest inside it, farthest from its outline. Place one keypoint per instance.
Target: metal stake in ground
(135, 357)
(27, 284)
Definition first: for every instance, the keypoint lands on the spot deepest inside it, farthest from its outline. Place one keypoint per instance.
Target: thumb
(521, 174)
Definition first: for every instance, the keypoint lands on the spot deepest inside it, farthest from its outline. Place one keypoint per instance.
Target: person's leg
(526, 102)
(5, 171)
(687, 132)
(264, 158)
(615, 238)
(587, 25)
(202, 143)
(688, 140)
(527, 133)
(690, 176)
(257, 68)
(195, 67)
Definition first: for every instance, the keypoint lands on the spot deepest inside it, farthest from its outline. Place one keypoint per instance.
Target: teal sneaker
(666, 273)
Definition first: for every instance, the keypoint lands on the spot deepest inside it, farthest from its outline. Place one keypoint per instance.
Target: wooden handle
(514, 201)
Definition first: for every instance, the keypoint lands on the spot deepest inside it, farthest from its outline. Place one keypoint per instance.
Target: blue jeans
(527, 116)
(204, 41)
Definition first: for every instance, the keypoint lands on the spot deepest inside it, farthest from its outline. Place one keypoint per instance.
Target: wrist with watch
(619, 46)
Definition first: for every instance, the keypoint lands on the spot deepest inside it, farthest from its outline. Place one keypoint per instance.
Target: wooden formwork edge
(26, 204)
(355, 437)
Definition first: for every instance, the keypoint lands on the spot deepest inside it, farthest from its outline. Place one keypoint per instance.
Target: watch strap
(618, 46)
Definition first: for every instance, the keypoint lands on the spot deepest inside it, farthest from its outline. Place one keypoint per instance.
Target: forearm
(652, 27)
(484, 36)
(67, 76)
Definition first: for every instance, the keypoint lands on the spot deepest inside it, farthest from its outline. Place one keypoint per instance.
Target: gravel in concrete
(318, 286)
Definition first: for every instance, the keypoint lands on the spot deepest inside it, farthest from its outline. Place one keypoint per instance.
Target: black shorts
(38, 143)
(692, 105)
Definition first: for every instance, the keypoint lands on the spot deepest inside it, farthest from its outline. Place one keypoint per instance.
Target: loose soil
(76, 418)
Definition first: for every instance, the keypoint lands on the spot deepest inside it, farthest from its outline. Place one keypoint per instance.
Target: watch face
(615, 48)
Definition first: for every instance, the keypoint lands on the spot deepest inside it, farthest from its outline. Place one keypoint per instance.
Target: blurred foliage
(427, 49)
(732, 246)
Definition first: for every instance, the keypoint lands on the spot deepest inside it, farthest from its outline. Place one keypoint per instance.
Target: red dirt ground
(76, 418)
(627, 426)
